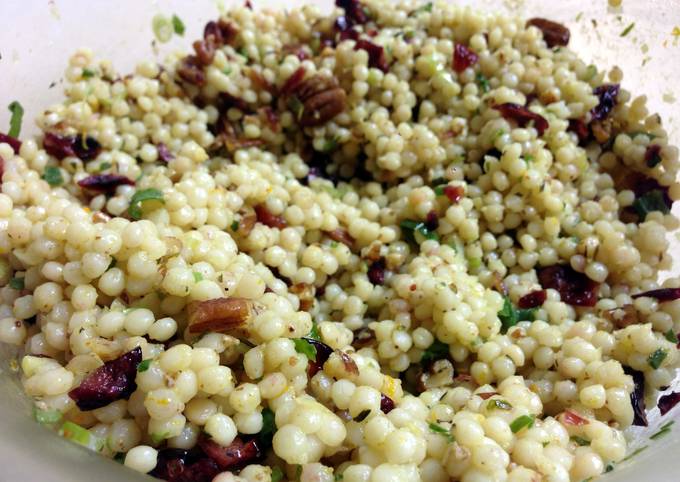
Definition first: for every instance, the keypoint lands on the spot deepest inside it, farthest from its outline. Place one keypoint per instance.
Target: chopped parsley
(16, 283)
(314, 333)
(140, 197)
(266, 435)
(591, 71)
(234, 225)
(627, 30)
(635, 452)
(329, 145)
(305, 347)
(510, 316)
(580, 440)
(15, 121)
(277, 474)
(663, 430)
(436, 351)
(362, 415)
(53, 176)
(144, 365)
(521, 422)
(441, 431)
(177, 25)
(656, 359)
(337, 477)
(483, 83)
(425, 8)
(157, 438)
(88, 73)
(410, 227)
(498, 404)
(671, 336)
(197, 276)
(104, 166)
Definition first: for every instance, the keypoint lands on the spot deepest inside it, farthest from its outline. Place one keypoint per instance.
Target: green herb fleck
(157, 438)
(15, 121)
(242, 52)
(305, 347)
(627, 30)
(140, 197)
(16, 283)
(314, 333)
(268, 428)
(656, 359)
(197, 276)
(104, 166)
(144, 365)
(474, 264)
(499, 133)
(53, 176)
(672, 337)
(635, 452)
(521, 422)
(88, 73)
(362, 415)
(277, 474)
(227, 70)
(329, 145)
(425, 8)
(580, 440)
(528, 158)
(234, 225)
(177, 25)
(663, 430)
(162, 28)
(338, 477)
(441, 431)
(510, 316)
(498, 404)
(46, 417)
(483, 83)
(654, 160)
(439, 190)
(410, 227)
(436, 351)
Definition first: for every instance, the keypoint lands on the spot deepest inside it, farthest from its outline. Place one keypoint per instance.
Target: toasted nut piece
(341, 236)
(224, 315)
(440, 374)
(554, 34)
(622, 317)
(305, 293)
(322, 100)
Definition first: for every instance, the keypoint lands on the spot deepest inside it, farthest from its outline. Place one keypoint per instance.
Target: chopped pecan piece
(265, 217)
(439, 374)
(602, 130)
(225, 315)
(554, 34)
(622, 317)
(205, 50)
(322, 99)
(341, 236)
(348, 363)
(191, 70)
(305, 293)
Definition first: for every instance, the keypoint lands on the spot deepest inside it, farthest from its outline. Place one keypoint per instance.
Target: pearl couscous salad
(393, 243)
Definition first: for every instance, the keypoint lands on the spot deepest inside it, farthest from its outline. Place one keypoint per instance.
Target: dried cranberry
(115, 380)
(554, 34)
(105, 183)
(532, 300)
(265, 217)
(213, 31)
(248, 5)
(580, 128)
(341, 24)
(293, 82)
(12, 141)
(454, 193)
(661, 294)
(228, 101)
(205, 50)
(353, 10)
(236, 454)
(522, 116)
(164, 153)
(653, 155)
(170, 463)
(349, 34)
(608, 95)
(323, 352)
(85, 148)
(386, 403)
(667, 402)
(272, 118)
(575, 288)
(463, 58)
(432, 221)
(637, 397)
(376, 273)
(229, 31)
(376, 54)
(191, 70)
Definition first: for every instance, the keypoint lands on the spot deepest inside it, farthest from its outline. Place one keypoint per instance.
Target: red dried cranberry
(349, 34)
(191, 71)
(58, 146)
(376, 54)
(386, 403)
(229, 31)
(236, 454)
(575, 288)
(86, 148)
(522, 116)
(667, 402)
(532, 300)
(608, 95)
(454, 193)
(580, 128)
(293, 82)
(353, 10)
(463, 58)
(341, 24)
(554, 34)
(265, 217)
(376, 273)
(323, 352)
(164, 153)
(105, 183)
(432, 221)
(661, 294)
(115, 380)
(653, 155)
(637, 397)
(12, 141)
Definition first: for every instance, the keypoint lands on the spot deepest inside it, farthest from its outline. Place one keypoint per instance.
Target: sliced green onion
(305, 347)
(499, 404)
(47, 417)
(441, 431)
(525, 421)
(162, 28)
(656, 359)
(627, 30)
(16, 284)
(177, 25)
(144, 365)
(140, 197)
(53, 176)
(15, 121)
(197, 276)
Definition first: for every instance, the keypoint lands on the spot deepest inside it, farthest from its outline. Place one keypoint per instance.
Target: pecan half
(322, 100)
(225, 315)
(553, 33)
(191, 70)
(341, 236)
